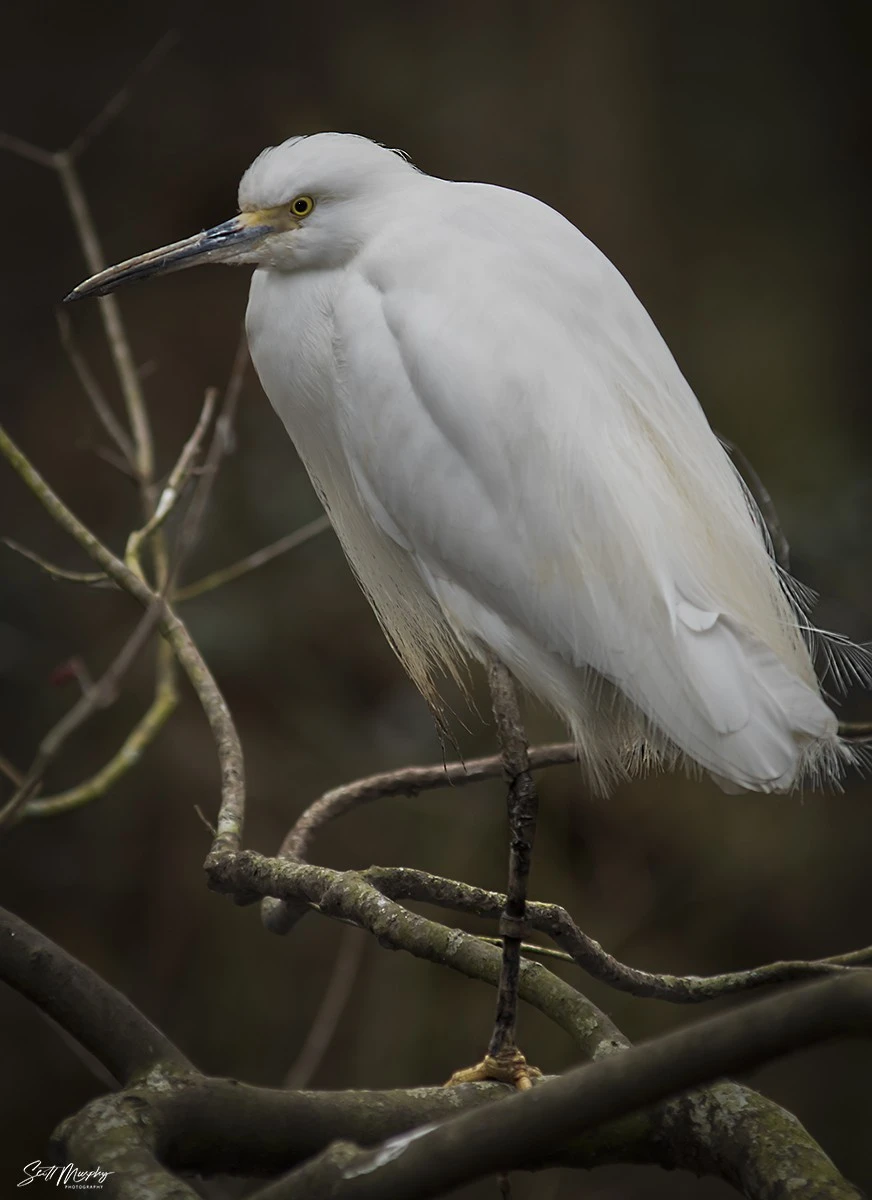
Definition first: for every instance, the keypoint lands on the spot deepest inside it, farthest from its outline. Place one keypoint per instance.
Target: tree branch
(92, 390)
(251, 562)
(409, 781)
(88, 1008)
(88, 578)
(174, 486)
(232, 811)
(98, 695)
(212, 1126)
(163, 705)
(532, 1125)
(404, 883)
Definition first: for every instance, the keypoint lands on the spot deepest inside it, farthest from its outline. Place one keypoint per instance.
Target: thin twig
(233, 391)
(231, 815)
(175, 485)
(163, 705)
(90, 578)
(119, 345)
(93, 391)
(252, 561)
(141, 455)
(108, 456)
(408, 781)
(333, 1003)
(101, 694)
(220, 445)
(531, 950)
(23, 149)
(15, 777)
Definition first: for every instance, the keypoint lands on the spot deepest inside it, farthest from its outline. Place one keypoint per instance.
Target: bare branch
(11, 772)
(232, 392)
(95, 1014)
(175, 485)
(119, 345)
(101, 694)
(252, 561)
(232, 812)
(350, 896)
(404, 883)
(163, 705)
(433, 1160)
(93, 391)
(90, 578)
(333, 1003)
(108, 456)
(215, 1126)
(27, 150)
(408, 781)
(221, 445)
(117, 1134)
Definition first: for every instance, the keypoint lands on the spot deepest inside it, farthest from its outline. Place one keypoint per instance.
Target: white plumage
(513, 460)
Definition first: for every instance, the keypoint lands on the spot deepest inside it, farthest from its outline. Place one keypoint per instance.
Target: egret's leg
(504, 1060)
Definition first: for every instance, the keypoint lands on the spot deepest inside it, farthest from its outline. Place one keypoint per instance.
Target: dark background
(717, 154)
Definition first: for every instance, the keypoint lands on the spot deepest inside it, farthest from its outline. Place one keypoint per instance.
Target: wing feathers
(564, 500)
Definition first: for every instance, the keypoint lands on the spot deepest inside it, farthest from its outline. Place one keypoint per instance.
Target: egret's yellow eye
(302, 206)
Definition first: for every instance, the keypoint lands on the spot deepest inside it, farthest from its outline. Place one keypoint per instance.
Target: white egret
(515, 465)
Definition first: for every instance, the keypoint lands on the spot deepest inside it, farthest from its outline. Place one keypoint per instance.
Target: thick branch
(348, 896)
(214, 1126)
(534, 1124)
(767, 1133)
(116, 1134)
(88, 1008)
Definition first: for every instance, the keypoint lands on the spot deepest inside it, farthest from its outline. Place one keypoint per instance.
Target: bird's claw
(509, 1066)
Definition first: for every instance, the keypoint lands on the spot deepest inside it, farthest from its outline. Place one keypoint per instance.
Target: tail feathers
(756, 725)
(713, 696)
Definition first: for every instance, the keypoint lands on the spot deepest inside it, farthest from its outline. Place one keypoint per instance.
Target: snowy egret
(515, 465)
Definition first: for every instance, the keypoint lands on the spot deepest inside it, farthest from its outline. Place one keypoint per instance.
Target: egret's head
(306, 202)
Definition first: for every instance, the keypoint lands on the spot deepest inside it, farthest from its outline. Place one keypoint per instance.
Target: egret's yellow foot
(509, 1066)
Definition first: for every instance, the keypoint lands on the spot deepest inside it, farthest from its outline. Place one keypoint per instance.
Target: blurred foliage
(715, 153)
